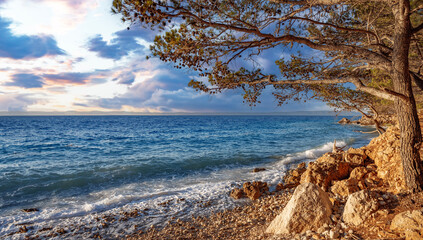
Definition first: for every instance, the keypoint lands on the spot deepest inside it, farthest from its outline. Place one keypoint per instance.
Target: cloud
(122, 45)
(25, 46)
(96, 77)
(15, 102)
(26, 80)
(69, 77)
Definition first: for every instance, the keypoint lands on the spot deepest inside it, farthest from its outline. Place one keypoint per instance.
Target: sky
(75, 55)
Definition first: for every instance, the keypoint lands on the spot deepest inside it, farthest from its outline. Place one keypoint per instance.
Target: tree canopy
(342, 41)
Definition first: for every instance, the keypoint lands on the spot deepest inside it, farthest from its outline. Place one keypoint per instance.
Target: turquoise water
(73, 166)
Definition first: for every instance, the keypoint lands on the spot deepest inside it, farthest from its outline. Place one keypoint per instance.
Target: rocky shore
(352, 194)
(345, 194)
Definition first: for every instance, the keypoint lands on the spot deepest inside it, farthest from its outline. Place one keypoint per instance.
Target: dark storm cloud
(25, 46)
(26, 80)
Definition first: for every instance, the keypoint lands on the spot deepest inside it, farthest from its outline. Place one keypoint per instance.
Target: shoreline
(125, 221)
(251, 220)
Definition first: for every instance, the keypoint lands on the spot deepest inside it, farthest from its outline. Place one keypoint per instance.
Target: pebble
(333, 234)
(308, 233)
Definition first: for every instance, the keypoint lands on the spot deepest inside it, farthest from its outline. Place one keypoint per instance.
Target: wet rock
(237, 193)
(308, 209)
(360, 205)
(255, 189)
(409, 222)
(259, 170)
(28, 210)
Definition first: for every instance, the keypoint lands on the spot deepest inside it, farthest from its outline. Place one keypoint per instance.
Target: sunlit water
(72, 168)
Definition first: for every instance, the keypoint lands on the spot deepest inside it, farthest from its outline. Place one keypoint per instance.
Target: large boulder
(409, 222)
(309, 208)
(326, 169)
(384, 151)
(360, 205)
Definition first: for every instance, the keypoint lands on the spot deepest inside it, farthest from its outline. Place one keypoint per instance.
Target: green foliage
(220, 39)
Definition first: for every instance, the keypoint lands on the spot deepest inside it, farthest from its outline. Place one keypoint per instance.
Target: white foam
(311, 154)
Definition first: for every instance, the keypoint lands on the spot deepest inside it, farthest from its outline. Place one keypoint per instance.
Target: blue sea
(73, 169)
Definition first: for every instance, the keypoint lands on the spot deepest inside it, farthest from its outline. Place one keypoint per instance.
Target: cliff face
(377, 165)
(384, 151)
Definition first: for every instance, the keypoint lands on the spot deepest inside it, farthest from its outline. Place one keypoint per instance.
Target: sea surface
(73, 169)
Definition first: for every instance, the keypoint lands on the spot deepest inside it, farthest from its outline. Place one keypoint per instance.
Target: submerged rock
(259, 170)
(28, 210)
(360, 205)
(308, 209)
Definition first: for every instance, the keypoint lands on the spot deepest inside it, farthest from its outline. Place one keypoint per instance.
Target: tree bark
(406, 110)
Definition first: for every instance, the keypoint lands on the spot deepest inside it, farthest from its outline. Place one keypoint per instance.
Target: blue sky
(74, 55)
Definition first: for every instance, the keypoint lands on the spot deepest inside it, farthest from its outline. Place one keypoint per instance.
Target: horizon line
(121, 113)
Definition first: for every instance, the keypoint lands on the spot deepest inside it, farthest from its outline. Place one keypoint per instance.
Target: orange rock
(326, 169)
(237, 193)
(358, 173)
(255, 189)
(345, 187)
(384, 151)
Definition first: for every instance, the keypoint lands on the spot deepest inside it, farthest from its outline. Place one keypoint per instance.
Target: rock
(308, 208)
(326, 169)
(255, 189)
(360, 205)
(237, 193)
(281, 186)
(358, 173)
(410, 222)
(293, 176)
(355, 157)
(384, 151)
(344, 121)
(28, 210)
(344, 187)
(333, 234)
(259, 170)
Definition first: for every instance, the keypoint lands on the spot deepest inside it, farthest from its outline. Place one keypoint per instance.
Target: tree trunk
(406, 110)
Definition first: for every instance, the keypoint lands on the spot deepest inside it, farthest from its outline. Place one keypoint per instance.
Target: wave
(311, 154)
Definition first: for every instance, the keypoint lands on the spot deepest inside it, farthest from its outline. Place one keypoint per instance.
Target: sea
(69, 171)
